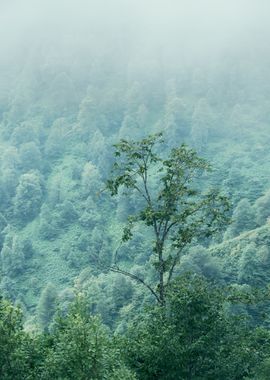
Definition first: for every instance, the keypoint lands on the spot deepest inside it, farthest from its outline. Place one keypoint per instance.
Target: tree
(200, 261)
(60, 97)
(26, 132)
(193, 338)
(90, 118)
(107, 295)
(262, 208)
(175, 208)
(9, 182)
(10, 158)
(68, 213)
(134, 97)
(91, 215)
(91, 179)
(253, 271)
(176, 119)
(14, 344)
(55, 143)
(28, 196)
(243, 219)
(47, 306)
(202, 121)
(99, 153)
(82, 349)
(129, 127)
(14, 254)
(30, 156)
(3, 224)
(249, 267)
(263, 371)
(48, 226)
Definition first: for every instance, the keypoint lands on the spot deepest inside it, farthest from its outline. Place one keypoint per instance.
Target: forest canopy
(134, 189)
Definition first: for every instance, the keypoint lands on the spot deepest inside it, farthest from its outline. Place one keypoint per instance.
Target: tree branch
(135, 278)
(175, 261)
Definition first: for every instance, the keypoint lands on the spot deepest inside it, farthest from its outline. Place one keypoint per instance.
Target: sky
(172, 29)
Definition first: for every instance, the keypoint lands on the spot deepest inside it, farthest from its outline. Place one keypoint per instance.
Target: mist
(185, 31)
(134, 187)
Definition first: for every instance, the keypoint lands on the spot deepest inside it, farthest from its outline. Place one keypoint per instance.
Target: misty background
(75, 78)
(183, 30)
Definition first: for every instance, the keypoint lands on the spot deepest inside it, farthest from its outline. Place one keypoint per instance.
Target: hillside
(61, 111)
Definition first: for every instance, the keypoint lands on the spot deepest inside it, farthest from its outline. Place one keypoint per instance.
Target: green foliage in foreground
(79, 347)
(192, 337)
(11, 342)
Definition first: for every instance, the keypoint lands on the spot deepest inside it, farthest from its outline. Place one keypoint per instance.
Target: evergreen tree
(12, 256)
(202, 122)
(55, 143)
(243, 219)
(91, 179)
(250, 267)
(262, 208)
(30, 156)
(46, 307)
(28, 196)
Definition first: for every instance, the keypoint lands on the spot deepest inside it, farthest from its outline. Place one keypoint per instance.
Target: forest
(135, 190)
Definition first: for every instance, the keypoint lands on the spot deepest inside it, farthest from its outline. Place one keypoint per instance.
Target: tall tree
(174, 206)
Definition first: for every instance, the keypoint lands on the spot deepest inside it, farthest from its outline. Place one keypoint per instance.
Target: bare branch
(135, 278)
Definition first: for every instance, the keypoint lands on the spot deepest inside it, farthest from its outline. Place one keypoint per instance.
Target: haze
(171, 29)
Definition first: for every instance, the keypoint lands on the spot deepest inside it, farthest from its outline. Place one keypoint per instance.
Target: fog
(183, 30)
(76, 78)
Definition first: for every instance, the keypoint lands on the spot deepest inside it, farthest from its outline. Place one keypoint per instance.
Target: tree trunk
(161, 289)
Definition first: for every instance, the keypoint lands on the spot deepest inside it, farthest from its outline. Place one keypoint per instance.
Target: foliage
(14, 254)
(28, 196)
(262, 207)
(193, 337)
(81, 348)
(15, 345)
(176, 210)
(47, 305)
(243, 219)
(60, 116)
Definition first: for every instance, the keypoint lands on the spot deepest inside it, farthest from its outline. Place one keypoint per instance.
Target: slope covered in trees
(57, 223)
(66, 101)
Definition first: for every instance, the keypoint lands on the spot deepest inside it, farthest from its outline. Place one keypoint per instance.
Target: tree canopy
(175, 207)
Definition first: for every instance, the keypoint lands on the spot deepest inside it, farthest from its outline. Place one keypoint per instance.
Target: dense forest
(135, 192)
